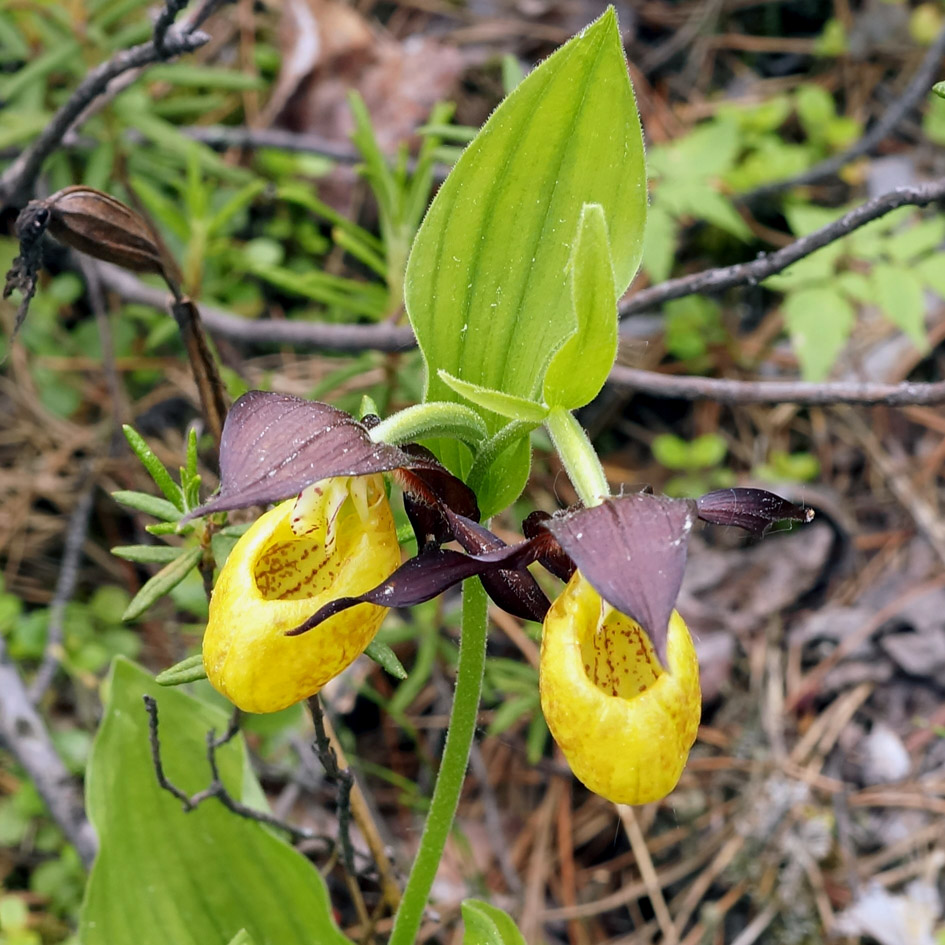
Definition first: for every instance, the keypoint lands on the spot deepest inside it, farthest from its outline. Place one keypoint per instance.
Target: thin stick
(726, 391)
(25, 735)
(216, 788)
(751, 273)
(341, 776)
(65, 587)
(641, 854)
(361, 813)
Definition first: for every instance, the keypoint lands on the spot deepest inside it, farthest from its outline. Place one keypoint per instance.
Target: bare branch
(911, 96)
(26, 736)
(751, 273)
(725, 391)
(65, 588)
(341, 776)
(16, 182)
(380, 337)
(216, 788)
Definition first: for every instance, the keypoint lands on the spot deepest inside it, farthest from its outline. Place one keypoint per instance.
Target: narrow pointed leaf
(486, 290)
(149, 504)
(186, 671)
(148, 554)
(505, 405)
(386, 658)
(156, 469)
(632, 549)
(164, 581)
(580, 366)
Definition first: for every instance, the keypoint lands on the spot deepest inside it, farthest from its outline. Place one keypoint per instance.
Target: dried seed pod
(103, 227)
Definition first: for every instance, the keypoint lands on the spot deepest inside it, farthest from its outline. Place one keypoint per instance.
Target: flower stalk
(578, 456)
(452, 773)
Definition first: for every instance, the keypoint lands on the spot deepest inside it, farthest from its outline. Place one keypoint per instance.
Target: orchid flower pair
(308, 585)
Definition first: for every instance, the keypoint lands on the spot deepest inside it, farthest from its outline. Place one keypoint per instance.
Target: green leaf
(147, 554)
(156, 469)
(486, 289)
(659, 248)
(855, 285)
(815, 109)
(931, 271)
(242, 938)
(167, 578)
(916, 240)
(195, 878)
(505, 477)
(505, 405)
(386, 658)
(899, 295)
(708, 151)
(819, 321)
(488, 925)
(939, 89)
(933, 121)
(207, 77)
(149, 504)
(510, 711)
(580, 366)
(188, 670)
(702, 201)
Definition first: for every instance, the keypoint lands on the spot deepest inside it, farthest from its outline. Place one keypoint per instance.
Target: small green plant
(888, 264)
(739, 149)
(699, 462)
(782, 466)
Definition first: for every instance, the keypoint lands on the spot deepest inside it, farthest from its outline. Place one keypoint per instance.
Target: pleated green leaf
(196, 878)
(487, 290)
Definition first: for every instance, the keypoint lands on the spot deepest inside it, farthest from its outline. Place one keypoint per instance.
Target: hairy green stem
(431, 419)
(449, 780)
(580, 461)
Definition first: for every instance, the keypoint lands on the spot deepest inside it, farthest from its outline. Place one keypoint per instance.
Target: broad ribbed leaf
(487, 292)
(196, 878)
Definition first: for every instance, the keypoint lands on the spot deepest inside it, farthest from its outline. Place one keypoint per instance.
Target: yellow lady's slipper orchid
(336, 539)
(624, 723)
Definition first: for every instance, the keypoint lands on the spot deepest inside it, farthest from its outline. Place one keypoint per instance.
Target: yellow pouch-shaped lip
(337, 539)
(624, 723)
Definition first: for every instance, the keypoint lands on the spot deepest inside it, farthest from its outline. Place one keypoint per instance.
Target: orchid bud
(103, 227)
(337, 538)
(624, 722)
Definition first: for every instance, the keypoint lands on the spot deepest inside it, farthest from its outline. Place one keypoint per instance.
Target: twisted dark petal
(755, 510)
(633, 551)
(551, 555)
(424, 577)
(428, 487)
(516, 592)
(274, 445)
